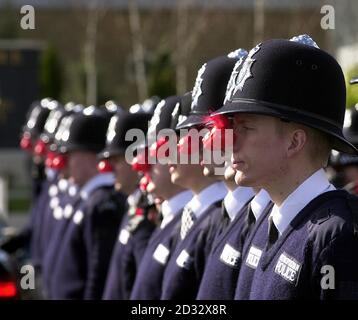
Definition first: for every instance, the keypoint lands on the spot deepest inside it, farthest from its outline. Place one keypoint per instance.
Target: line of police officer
(269, 227)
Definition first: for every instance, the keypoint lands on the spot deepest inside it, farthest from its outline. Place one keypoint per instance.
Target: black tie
(249, 224)
(272, 233)
(225, 216)
(250, 217)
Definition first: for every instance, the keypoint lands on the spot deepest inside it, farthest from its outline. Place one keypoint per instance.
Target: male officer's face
(124, 174)
(81, 165)
(229, 173)
(185, 174)
(350, 173)
(259, 151)
(160, 181)
(212, 169)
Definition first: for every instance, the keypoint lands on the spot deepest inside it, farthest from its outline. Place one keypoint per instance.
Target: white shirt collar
(170, 208)
(311, 188)
(259, 203)
(236, 199)
(99, 180)
(211, 194)
(50, 173)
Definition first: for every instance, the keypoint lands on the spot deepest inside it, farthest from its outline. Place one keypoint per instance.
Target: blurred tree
(50, 74)
(138, 49)
(9, 21)
(75, 80)
(161, 76)
(352, 90)
(188, 35)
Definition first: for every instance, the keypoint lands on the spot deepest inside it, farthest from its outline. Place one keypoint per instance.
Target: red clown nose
(216, 138)
(140, 163)
(26, 143)
(49, 159)
(104, 166)
(59, 162)
(156, 146)
(40, 148)
(144, 182)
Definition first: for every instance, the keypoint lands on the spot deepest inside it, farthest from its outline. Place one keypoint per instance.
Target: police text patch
(161, 254)
(230, 256)
(288, 268)
(184, 260)
(253, 257)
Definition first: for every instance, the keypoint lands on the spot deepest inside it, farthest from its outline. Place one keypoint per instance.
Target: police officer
(221, 269)
(34, 127)
(57, 162)
(288, 107)
(223, 263)
(185, 267)
(173, 198)
(135, 228)
(64, 198)
(52, 188)
(346, 165)
(36, 119)
(83, 257)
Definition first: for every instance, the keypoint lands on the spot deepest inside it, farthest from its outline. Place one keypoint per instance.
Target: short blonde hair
(318, 146)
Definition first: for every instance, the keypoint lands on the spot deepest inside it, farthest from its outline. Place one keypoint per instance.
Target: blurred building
(190, 31)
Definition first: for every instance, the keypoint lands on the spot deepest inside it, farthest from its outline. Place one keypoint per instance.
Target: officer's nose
(104, 166)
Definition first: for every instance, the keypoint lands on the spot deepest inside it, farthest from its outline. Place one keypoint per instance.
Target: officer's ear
(296, 140)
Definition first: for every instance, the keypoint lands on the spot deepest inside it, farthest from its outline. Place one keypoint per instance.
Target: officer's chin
(175, 177)
(229, 174)
(241, 179)
(208, 171)
(118, 186)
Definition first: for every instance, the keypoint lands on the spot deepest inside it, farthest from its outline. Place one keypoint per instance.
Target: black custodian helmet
(181, 111)
(350, 130)
(84, 131)
(37, 116)
(210, 87)
(116, 143)
(162, 117)
(296, 82)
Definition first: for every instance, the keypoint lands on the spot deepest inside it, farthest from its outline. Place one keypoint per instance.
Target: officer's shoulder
(214, 214)
(103, 199)
(336, 217)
